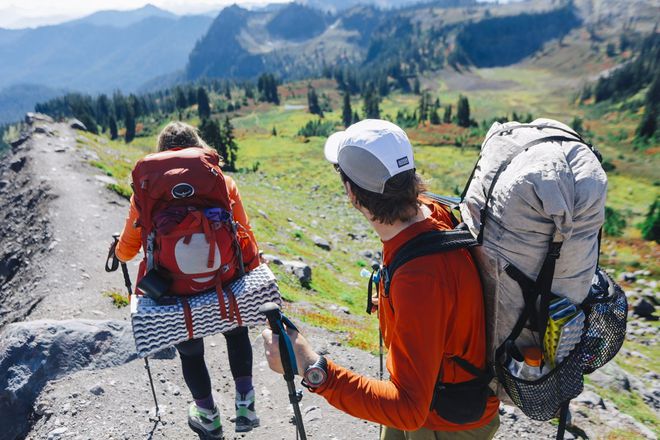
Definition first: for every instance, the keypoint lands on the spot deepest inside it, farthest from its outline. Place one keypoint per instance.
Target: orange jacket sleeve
(415, 352)
(238, 209)
(130, 239)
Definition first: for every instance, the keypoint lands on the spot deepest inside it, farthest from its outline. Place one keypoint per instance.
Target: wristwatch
(316, 374)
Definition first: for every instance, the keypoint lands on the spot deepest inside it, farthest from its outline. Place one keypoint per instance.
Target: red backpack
(189, 236)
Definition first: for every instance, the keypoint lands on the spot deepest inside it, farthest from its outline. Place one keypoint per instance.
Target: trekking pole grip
(287, 355)
(112, 263)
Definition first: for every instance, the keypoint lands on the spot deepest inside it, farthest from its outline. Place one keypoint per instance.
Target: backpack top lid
(178, 177)
(547, 185)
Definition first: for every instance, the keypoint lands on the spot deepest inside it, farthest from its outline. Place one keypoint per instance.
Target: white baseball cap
(370, 152)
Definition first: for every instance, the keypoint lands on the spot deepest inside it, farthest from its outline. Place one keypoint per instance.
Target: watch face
(315, 376)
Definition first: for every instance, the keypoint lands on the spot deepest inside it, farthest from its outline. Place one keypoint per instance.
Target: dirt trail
(116, 403)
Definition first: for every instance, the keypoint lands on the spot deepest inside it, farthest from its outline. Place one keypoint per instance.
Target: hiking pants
(486, 432)
(195, 373)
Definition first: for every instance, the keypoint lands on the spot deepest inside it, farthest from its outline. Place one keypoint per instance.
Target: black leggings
(194, 368)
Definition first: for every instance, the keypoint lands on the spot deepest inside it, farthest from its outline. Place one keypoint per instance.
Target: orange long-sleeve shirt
(131, 239)
(434, 311)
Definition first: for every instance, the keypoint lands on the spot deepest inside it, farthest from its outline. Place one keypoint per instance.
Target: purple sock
(206, 403)
(243, 384)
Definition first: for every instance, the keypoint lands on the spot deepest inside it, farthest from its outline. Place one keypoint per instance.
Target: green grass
(634, 406)
(295, 185)
(119, 300)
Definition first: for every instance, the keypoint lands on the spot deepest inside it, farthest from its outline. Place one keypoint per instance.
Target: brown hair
(178, 134)
(399, 200)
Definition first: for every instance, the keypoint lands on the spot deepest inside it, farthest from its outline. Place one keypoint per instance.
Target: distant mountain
(295, 41)
(124, 18)
(298, 22)
(16, 100)
(340, 5)
(93, 58)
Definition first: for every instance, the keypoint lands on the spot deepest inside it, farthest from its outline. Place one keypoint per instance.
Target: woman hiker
(203, 413)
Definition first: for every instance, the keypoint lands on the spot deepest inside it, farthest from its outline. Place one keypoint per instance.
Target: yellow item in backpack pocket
(560, 312)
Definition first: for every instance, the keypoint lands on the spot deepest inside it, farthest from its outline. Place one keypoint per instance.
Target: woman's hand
(305, 354)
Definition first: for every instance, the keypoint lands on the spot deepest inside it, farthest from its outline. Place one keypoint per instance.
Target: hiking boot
(246, 417)
(205, 422)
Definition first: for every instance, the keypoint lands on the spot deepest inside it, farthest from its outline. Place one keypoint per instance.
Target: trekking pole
(277, 321)
(111, 265)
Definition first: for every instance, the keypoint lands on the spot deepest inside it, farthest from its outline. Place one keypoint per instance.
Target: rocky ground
(57, 381)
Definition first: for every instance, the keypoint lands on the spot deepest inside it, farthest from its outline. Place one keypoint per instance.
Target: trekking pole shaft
(274, 316)
(127, 279)
(293, 397)
(153, 390)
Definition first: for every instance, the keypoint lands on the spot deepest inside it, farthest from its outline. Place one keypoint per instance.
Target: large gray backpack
(535, 204)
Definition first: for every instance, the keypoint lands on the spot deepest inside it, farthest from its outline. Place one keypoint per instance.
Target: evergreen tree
(463, 111)
(103, 111)
(203, 106)
(181, 101)
(274, 131)
(435, 117)
(650, 125)
(447, 116)
(230, 144)
(313, 101)
(267, 87)
(371, 104)
(191, 96)
(346, 111)
(356, 117)
(210, 131)
(113, 128)
(227, 92)
(423, 107)
(129, 122)
(416, 86)
(651, 225)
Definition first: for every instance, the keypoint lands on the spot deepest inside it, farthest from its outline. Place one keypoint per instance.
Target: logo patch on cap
(402, 162)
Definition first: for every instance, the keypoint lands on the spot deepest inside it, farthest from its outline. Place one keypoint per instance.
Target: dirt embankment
(57, 221)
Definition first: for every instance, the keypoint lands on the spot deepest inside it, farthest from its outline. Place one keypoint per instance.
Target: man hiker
(431, 317)
(203, 414)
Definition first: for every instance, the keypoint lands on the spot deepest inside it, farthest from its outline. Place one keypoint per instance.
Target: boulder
(77, 125)
(627, 277)
(35, 352)
(44, 129)
(612, 377)
(31, 118)
(272, 259)
(17, 164)
(321, 242)
(644, 309)
(301, 270)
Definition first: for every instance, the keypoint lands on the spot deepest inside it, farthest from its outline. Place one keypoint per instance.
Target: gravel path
(68, 281)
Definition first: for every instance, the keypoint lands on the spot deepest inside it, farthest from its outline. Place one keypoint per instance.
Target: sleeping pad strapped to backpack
(192, 243)
(532, 211)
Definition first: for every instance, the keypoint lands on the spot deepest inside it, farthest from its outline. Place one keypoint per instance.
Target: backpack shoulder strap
(427, 243)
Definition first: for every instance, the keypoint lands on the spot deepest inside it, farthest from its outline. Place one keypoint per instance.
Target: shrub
(317, 128)
(615, 222)
(651, 225)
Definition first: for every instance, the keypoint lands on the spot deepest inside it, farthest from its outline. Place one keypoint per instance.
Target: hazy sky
(22, 13)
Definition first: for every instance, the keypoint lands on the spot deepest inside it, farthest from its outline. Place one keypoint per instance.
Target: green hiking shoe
(246, 417)
(205, 422)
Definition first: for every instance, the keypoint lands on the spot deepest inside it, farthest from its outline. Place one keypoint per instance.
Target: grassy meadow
(293, 195)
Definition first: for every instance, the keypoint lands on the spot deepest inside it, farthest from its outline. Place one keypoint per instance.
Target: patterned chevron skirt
(173, 319)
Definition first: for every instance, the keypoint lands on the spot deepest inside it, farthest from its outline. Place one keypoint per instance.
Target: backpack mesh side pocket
(540, 399)
(606, 310)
